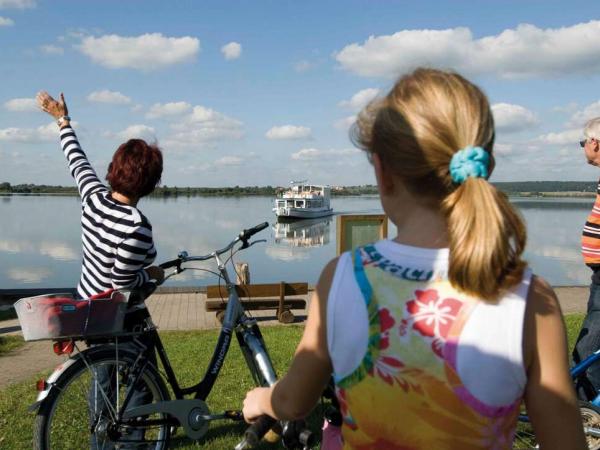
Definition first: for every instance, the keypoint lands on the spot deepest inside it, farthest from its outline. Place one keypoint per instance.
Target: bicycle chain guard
(190, 413)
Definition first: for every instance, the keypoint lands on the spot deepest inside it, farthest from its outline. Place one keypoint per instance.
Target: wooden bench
(260, 297)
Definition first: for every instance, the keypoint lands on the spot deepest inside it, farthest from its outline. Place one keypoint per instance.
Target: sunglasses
(582, 143)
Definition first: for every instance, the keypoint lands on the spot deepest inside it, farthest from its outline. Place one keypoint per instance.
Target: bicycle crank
(192, 414)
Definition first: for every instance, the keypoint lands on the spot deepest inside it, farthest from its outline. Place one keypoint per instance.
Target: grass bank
(189, 353)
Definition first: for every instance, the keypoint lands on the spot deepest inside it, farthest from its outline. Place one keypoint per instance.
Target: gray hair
(592, 129)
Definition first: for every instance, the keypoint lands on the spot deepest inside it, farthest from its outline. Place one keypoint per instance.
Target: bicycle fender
(50, 381)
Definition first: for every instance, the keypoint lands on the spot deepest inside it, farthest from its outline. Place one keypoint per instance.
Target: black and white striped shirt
(117, 238)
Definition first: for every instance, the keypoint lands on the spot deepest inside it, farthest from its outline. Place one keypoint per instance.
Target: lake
(40, 237)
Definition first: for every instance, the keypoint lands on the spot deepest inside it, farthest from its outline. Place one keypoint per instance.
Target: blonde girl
(434, 338)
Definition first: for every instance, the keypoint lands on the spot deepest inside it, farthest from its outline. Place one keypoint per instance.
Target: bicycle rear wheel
(82, 409)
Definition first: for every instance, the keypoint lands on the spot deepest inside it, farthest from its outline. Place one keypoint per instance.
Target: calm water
(40, 237)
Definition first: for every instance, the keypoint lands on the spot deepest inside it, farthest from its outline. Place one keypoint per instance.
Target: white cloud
(21, 105)
(110, 97)
(168, 109)
(567, 137)
(6, 22)
(230, 51)
(525, 51)
(145, 52)
(311, 154)
(229, 161)
(43, 133)
(503, 149)
(17, 4)
(511, 118)
(50, 49)
(345, 123)
(290, 132)
(203, 125)
(137, 131)
(303, 66)
(579, 118)
(360, 99)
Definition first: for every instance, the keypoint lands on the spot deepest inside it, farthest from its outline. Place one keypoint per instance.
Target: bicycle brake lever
(256, 242)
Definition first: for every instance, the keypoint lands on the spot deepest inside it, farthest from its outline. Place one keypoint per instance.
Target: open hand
(53, 107)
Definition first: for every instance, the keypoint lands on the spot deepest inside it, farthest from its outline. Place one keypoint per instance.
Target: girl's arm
(295, 395)
(549, 395)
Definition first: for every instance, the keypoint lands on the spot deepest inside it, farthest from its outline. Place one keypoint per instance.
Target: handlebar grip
(255, 432)
(246, 234)
(172, 263)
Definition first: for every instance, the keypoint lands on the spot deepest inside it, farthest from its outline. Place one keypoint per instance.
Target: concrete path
(184, 311)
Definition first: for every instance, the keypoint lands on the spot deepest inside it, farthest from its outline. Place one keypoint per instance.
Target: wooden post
(242, 271)
(283, 315)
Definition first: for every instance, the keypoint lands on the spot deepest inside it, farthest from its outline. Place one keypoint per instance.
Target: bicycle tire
(64, 419)
(590, 417)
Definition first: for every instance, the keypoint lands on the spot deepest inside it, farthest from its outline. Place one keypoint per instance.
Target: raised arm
(549, 394)
(79, 166)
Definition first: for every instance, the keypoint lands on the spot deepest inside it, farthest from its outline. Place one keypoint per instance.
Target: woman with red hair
(117, 242)
(117, 238)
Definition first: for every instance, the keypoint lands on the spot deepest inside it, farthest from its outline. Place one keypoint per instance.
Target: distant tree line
(511, 188)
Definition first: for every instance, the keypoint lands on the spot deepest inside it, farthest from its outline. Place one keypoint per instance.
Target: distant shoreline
(560, 189)
(511, 194)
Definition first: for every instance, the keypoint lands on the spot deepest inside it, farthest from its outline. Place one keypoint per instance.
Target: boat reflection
(303, 233)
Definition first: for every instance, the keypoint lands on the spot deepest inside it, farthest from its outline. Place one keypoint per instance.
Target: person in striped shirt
(118, 248)
(589, 336)
(117, 238)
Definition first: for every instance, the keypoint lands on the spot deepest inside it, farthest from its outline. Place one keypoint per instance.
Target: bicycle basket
(56, 316)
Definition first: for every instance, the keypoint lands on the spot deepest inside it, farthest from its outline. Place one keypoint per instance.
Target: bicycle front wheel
(590, 417)
(83, 408)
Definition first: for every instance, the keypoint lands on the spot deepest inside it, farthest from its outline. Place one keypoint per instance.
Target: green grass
(10, 343)
(189, 353)
(8, 314)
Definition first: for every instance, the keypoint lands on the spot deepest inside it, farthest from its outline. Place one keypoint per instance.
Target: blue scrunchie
(469, 162)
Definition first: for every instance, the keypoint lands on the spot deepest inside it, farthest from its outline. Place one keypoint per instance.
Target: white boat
(303, 201)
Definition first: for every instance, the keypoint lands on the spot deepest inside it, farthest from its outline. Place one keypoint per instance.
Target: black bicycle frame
(248, 337)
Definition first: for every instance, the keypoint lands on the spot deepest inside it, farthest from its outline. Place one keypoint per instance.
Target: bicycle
(590, 410)
(104, 383)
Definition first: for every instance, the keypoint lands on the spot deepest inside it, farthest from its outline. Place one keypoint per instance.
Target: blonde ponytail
(427, 117)
(487, 238)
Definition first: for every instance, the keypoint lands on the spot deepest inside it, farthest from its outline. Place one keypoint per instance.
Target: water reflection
(40, 237)
(303, 233)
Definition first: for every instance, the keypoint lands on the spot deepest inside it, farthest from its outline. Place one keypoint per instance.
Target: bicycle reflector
(40, 385)
(63, 347)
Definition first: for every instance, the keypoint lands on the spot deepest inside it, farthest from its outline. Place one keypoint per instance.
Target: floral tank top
(407, 392)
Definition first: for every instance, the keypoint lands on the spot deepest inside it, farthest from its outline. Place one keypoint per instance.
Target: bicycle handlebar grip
(255, 432)
(246, 234)
(172, 263)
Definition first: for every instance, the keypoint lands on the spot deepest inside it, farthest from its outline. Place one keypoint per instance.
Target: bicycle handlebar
(255, 432)
(169, 264)
(247, 234)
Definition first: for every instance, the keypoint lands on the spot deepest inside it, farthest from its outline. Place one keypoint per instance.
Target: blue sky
(262, 92)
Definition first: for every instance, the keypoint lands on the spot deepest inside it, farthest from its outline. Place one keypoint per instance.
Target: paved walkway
(184, 311)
